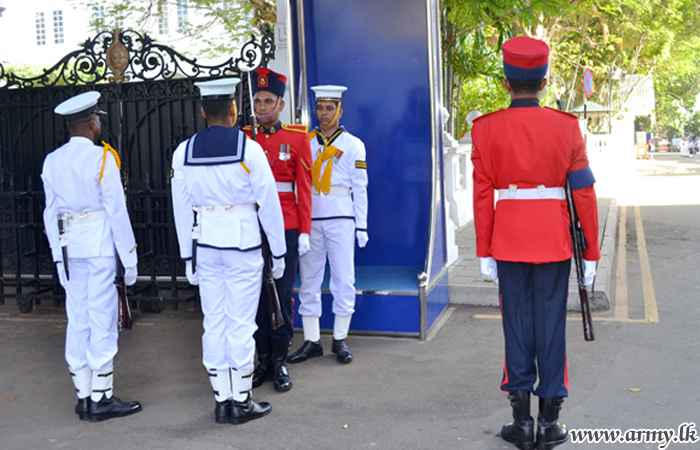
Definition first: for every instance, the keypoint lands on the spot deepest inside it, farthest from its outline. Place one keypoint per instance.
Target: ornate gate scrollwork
(138, 57)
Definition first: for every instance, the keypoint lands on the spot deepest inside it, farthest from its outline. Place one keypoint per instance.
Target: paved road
(399, 393)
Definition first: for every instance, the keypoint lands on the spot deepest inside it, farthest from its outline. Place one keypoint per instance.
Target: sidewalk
(468, 287)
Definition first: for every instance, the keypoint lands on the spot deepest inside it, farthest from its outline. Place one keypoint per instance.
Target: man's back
(525, 148)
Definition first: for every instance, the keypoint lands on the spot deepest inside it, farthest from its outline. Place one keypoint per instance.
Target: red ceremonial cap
(525, 58)
(265, 79)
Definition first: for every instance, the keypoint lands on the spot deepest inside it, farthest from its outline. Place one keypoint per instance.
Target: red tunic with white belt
(523, 148)
(289, 154)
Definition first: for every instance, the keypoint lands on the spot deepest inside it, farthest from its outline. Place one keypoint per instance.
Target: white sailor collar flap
(215, 146)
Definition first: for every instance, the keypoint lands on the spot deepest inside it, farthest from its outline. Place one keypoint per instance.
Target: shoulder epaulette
(247, 128)
(299, 128)
(108, 149)
(312, 134)
(562, 112)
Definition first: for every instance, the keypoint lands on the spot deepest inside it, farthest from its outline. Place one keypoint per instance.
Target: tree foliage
(638, 37)
(237, 18)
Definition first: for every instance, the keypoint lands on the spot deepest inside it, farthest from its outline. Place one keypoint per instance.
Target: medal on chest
(337, 156)
(285, 152)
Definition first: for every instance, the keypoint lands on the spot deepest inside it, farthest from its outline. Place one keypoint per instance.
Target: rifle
(124, 308)
(124, 320)
(579, 245)
(276, 318)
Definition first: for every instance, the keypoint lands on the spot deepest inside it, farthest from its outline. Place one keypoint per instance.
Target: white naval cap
(221, 89)
(329, 92)
(79, 106)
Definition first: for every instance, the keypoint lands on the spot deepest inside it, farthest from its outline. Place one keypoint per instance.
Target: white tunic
(71, 176)
(227, 184)
(349, 171)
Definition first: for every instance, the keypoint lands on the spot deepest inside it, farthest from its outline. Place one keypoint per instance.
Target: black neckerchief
(525, 103)
(326, 142)
(272, 130)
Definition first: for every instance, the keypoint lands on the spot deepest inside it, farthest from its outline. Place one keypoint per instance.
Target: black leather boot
(222, 412)
(340, 348)
(283, 381)
(308, 350)
(107, 408)
(521, 431)
(82, 409)
(550, 433)
(264, 369)
(247, 410)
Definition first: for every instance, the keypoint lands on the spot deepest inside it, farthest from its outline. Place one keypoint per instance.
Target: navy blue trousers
(284, 287)
(533, 306)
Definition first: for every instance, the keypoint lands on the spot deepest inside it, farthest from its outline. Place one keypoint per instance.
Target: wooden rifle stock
(579, 244)
(276, 318)
(124, 320)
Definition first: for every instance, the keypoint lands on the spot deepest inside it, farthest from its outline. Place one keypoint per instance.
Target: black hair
(216, 109)
(75, 125)
(525, 86)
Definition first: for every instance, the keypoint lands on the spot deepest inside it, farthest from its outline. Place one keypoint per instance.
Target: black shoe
(263, 371)
(222, 412)
(107, 408)
(283, 382)
(550, 433)
(82, 409)
(308, 350)
(521, 431)
(247, 410)
(341, 349)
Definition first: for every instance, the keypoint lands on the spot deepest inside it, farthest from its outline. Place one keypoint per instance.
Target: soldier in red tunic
(289, 154)
(527, 153)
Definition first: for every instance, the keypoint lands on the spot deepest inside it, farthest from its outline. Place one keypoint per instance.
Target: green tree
(692, 126)
(239, 18)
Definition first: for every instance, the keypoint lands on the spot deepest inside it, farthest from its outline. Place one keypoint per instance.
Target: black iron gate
(148, 92)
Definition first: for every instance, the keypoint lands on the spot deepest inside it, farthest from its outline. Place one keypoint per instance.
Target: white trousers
(229, 288)
(333, 239)
(91, 306)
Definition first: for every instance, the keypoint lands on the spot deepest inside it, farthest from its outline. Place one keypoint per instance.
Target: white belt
(85, 216)
(540, 192)
(335, 190)
(285, 186)
(224, 210)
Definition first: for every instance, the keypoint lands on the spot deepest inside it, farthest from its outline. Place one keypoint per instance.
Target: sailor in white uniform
(84, 193)
(338, 217)
(218, 176)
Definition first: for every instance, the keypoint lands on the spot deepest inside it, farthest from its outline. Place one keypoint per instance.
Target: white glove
(277, 268)
(192, 278)
(489, 269)
(61, 274)
(588, 272)
(304, 245)
(130, 274)
(362, 238)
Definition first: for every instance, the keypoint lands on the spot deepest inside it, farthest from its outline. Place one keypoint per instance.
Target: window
(163, 19)
(58, 27)
(40, 29)
(98, 17)
(181, 15)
